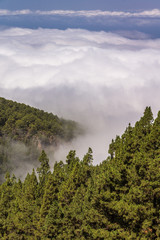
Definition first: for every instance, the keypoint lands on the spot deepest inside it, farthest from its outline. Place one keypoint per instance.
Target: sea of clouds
(102, 80)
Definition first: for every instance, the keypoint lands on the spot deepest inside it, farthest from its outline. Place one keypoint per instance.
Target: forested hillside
(118, 199)
(34, 128)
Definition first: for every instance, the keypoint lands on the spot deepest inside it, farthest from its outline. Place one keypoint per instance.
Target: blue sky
(146, 23)
(125, 5)
(122, 22)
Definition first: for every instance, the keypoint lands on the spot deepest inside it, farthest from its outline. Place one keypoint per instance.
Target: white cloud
(5, 12)
(93, 13)
(100, 79)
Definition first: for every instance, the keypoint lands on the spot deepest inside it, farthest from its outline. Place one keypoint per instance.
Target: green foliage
(118, 199)
(44, 168)
(33, 127)
(22, 122)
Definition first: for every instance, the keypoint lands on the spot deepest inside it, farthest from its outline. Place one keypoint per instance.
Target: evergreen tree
(117, 199)
(43, 170)
(43, 173)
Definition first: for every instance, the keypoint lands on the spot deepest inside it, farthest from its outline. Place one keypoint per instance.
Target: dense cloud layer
(102, 80)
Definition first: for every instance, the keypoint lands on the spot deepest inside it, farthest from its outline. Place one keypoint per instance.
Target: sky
(143, 20)
(96, 63)
(112, 5)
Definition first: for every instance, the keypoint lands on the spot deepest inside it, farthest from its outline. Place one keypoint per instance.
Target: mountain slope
(34, 128)
(22, 122)
(118, 199)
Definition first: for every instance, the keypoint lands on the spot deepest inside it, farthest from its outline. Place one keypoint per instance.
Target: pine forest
(117, 199)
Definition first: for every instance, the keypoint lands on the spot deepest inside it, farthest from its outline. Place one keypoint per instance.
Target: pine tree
(27, 216)
(43, 170)
(43, 173)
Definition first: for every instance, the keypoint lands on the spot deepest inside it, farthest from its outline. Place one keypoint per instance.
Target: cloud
(146, 22)
(20, 158)
(5, 12)
(84, 13)
(102, 80)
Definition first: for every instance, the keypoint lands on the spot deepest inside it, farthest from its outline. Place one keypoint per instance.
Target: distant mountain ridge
(35, 128)
(22, 122)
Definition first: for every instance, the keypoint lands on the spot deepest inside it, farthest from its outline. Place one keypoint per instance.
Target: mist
(101, 80)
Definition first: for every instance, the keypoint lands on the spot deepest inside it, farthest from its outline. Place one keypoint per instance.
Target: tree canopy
(36, 129)
(117, 199)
